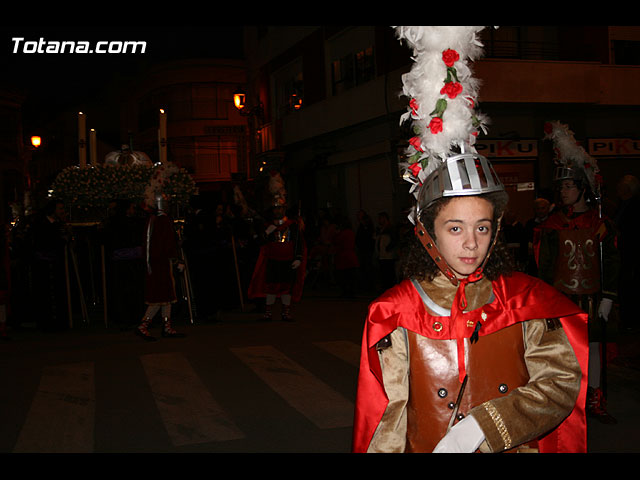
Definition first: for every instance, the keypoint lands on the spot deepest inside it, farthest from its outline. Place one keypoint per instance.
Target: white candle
(82, 138)
(162, 136)
(93, 147)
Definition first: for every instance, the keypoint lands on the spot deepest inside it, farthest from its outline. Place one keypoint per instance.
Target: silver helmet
(459, 175)
(160, 202)
(571, 159)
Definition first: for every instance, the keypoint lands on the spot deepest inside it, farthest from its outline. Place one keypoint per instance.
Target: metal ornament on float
(127, 157)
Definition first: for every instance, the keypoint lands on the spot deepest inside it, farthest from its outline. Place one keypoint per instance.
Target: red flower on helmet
(435, 125)
(416, 143)
(414, 106)
(415, 168)
(449, 57)
(451, 89)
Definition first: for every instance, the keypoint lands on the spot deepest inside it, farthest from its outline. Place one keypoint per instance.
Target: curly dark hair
(415, 262)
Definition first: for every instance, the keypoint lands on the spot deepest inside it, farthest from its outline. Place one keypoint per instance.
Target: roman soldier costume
(576, 252)
(281, 264)
(464, 363)
(161, 255)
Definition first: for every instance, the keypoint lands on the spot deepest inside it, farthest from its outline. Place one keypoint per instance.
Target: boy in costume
(577, 252)
(464, 355)
(281, 264)
(161, 254)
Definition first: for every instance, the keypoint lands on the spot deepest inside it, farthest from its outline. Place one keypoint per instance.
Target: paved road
(238, 385)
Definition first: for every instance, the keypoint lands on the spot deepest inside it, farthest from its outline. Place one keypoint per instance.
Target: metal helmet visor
(463, 174)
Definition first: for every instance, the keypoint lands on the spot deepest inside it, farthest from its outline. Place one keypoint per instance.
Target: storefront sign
(507, 148)
(613, 147)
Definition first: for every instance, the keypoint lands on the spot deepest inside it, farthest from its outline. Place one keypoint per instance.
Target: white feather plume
(423, 85)
(569, 153)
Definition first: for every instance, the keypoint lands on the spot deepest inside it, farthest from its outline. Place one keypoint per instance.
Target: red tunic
(162, 248)
(517, 298)
(276, 250)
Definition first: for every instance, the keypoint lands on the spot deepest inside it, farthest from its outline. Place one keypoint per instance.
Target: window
(351, 70)
(288, 88)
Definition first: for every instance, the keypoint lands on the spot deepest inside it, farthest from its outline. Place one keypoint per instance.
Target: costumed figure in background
(464, 354)
(51, 235)
(161, 254)
(281, 265)
(5, 282)
(576, 250)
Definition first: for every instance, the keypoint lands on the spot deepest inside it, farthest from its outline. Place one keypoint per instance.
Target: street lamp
(239, 98)
(239, 101)
(36, 141)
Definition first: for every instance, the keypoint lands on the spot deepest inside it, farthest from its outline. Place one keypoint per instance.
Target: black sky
(52, 83)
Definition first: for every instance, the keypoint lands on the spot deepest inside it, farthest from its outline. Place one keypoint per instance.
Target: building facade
(332, 104)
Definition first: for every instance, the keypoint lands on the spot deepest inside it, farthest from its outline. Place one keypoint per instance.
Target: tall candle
(93, 147)
(82, 139)
(162, 136)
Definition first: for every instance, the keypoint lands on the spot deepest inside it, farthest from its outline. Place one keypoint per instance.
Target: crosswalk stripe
(325, 407)
(343, 349)
(189, 412)
(62, 415)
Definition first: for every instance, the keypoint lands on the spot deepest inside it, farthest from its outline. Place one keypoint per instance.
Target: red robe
(518, 298)
(280, 251)
(163, 248)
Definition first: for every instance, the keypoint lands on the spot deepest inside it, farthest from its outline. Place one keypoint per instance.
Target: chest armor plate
(577, 269)
(495, 366)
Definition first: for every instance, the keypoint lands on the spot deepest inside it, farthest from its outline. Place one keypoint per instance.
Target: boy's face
(569, 192)
(463, 230)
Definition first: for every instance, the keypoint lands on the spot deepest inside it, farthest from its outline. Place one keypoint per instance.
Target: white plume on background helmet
(572, 161)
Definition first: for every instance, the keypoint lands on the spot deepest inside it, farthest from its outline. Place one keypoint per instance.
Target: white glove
(464, 437)
(295, 264)
(604, 308)
(270, 229)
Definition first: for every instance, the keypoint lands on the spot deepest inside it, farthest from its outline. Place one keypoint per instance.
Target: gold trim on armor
(497, 419)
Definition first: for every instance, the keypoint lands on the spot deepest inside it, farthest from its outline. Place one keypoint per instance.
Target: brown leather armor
(577, 269)
(495, 366)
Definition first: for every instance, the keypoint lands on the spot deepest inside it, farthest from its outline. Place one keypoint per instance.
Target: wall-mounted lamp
(239, 101)
(239, 98)
(36, 141)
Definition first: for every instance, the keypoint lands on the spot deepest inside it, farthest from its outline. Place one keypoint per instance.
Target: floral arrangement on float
(94, 186)
(443, 97)
(126, 174)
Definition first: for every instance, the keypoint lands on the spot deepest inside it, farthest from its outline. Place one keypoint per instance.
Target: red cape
(258, 286)
(518, 298)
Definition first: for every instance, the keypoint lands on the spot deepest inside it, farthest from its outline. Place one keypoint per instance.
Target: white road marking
(317, 401)
(189, 412)
(62, 415)
(343, 349)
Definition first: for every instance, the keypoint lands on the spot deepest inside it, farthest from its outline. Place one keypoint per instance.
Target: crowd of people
(51, 259)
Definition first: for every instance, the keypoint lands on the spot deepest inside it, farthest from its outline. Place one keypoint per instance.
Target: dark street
(238, 385)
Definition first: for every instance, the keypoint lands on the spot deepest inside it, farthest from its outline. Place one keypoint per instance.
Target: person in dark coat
(123, 246)
(50, 235)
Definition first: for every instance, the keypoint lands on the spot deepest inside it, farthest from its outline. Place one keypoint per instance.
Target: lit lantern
(36, 141)
(239, 99)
